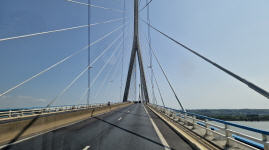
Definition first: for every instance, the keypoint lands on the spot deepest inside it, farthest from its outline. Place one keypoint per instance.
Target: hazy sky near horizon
(232, 33)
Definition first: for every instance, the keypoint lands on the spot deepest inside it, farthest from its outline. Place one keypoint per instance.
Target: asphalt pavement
(128, 128)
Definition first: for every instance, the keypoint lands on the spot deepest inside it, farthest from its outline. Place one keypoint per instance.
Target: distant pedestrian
(108, 104)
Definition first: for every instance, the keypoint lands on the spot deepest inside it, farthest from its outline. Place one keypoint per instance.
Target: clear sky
(232, 33)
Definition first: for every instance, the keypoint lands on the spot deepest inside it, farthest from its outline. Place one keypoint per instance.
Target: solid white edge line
(162, 139)
(86, 147)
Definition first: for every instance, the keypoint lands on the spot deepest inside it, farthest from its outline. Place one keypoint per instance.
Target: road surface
(128, 128)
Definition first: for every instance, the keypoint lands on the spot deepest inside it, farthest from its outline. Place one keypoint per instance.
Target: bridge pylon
(136, 51)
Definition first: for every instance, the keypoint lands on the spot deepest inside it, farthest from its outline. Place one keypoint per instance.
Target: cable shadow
(136, 134)
(18, 136)
(11, 142)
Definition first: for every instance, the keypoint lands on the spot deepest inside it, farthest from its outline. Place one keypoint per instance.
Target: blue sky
(232, 33)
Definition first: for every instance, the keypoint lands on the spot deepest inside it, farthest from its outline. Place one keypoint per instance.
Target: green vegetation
(235, 114)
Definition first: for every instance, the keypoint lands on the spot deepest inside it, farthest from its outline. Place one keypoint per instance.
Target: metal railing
(23, 112)
(219, 127)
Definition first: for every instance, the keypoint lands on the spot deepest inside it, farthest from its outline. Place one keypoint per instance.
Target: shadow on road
(18, 136)
(9, 145)
(131, 132)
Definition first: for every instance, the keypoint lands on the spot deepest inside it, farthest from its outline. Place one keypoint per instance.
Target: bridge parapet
(225, 135)
(26, 112)
(36, 121)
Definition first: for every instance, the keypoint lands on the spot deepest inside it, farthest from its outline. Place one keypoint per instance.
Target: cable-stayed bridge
(139, 118)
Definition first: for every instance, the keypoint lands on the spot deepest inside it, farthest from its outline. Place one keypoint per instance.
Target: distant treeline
(235, 114)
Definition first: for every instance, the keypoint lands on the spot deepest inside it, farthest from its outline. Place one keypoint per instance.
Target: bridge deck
(126, 128)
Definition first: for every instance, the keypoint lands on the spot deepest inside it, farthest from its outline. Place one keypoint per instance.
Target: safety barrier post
(10, 113)
(226, 127)
(185, 118)
(173, 115)
(206, 127)
(265, 142)
(193, 121)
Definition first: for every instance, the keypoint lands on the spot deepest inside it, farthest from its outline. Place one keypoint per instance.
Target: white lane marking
(86, 148)
(128, 111)
(162, 139)
(119, 118)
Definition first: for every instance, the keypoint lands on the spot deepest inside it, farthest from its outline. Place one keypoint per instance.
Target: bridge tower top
(136, 51)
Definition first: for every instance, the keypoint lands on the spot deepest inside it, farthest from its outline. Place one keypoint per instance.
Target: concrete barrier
(12, 127)
(192, 139)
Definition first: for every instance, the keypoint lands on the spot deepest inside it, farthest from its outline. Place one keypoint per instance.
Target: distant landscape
(235, 114)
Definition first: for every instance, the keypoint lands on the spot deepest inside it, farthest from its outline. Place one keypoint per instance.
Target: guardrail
(196, 120)
(17, 113)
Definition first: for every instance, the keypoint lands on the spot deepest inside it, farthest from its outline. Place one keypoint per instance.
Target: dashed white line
(86, 148)
(162, 139)
(119, 118)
